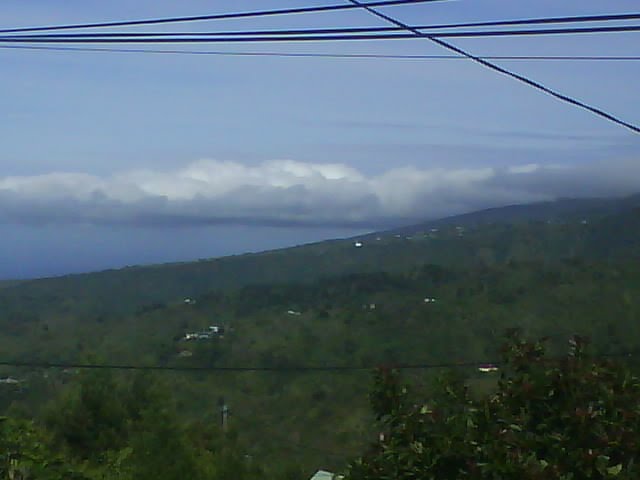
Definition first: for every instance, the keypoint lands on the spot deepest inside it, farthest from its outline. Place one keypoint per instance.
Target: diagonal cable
(532, 83)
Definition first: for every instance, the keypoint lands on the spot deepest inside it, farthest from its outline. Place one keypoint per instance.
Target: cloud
(287, 192)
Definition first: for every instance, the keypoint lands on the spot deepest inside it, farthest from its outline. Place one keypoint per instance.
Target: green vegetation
(574, 418)
(105, 429)
(327, 304)
(483, 241)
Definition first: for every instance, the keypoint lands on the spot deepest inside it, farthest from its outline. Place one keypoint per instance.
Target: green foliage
(573, 418)
(26, 453)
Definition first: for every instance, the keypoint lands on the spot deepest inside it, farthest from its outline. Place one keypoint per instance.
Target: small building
(10, 381)
(294, 313)
(211, 332)
(487, 368)
(189, 301)
(358, 244)
(429, 300)
(324, 475)
(185, 354)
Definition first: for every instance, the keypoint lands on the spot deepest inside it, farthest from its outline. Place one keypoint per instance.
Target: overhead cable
(282, 369)
(565, 98)
(275, 36)
(606, 58)
(330, 31)
(219, 16)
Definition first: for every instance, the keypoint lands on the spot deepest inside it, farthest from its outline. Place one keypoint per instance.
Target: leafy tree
(92, 418)
(569, 419)
(26, 454)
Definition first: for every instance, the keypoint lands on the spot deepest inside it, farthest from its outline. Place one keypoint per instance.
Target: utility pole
(224, 414)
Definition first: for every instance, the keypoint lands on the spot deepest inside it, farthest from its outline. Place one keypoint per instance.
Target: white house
(324, 475)
(358, 244)
(10, 381)
(294, 313)
(213, 331)
(487, 368)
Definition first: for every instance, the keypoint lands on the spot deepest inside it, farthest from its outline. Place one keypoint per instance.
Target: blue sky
(111, 159)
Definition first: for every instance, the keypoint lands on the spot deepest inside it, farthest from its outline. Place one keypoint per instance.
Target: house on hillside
(324, 475)
(211, 332)
(487, 368)
(10, 381)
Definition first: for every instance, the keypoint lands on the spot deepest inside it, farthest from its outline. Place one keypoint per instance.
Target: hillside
(595, 229)
(361, 320)
(562, 210)
(433, 294)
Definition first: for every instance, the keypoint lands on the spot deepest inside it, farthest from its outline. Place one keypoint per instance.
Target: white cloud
(290, 192)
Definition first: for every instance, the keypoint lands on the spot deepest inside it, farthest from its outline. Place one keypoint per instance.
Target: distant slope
(611, 232)
(567, 209)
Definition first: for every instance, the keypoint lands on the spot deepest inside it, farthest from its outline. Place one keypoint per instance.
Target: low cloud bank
(286, 192)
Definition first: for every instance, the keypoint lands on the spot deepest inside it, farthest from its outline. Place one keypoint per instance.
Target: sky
(114, 159)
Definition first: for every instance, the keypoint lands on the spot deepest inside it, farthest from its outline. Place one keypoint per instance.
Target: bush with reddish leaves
(572, 418)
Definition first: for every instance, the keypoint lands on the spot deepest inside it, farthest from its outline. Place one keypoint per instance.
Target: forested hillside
(430, 315)
(254, 332)
(466, 241)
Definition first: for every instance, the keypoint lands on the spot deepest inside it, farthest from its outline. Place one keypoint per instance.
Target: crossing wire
(323, 55)
(532, 83)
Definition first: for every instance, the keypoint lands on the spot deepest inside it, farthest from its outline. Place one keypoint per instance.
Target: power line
(322, 31)
(281, 369)
(493, 66)
(221, 16)
(325, 55)
(237, 37)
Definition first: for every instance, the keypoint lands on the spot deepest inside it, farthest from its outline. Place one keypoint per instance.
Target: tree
(25, 454)
(569, 419)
